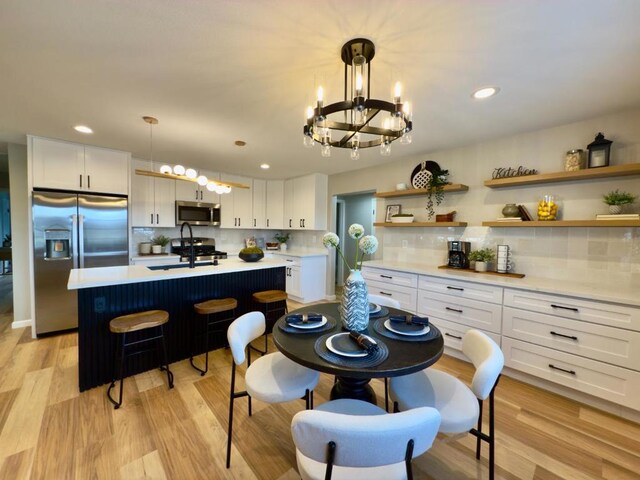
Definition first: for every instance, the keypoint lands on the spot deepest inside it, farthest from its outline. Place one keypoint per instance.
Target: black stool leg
(206, 355)
(117, 404)
(165, 359)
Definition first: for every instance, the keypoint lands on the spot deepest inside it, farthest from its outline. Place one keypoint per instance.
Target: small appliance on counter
(204, 249)
(459, 254)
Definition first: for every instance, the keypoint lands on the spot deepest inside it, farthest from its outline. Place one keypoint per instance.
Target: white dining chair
(356, 440)
(385, 302)
(272, 378)
(460, 406)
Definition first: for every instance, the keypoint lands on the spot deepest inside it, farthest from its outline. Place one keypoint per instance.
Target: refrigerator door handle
(81, 239)
(74, 250)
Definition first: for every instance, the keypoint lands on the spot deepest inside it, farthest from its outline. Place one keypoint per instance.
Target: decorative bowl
(251, 257)
(402, 219)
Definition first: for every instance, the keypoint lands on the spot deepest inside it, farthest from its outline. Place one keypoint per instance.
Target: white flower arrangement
(368, 244)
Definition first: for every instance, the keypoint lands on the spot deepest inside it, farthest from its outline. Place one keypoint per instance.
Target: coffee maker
(459, 254)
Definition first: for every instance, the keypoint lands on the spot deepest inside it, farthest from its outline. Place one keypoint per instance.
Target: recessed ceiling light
(82, 129)
(265, 166)
(485, 92)
(240, 143)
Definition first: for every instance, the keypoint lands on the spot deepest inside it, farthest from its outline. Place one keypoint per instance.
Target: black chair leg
(478, 439)
(230, 427)
(492, 460)
(386, 394)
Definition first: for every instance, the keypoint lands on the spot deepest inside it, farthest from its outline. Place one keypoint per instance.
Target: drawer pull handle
(385, 293)
(386, 276)
(564, 308)
(572, 337)
(453, 309)
(289, 260)
(455, 288)
(452, 336)
(562, 369)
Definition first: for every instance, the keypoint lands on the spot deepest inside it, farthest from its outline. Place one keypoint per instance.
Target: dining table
(395, 355)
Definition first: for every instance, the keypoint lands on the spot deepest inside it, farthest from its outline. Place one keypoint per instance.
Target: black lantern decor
(599, 151)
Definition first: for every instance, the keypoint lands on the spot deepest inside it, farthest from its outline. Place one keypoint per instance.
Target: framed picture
(391, 210)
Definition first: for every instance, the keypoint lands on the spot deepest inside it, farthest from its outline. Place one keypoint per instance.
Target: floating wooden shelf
(589, 173)
(421, 224)
(453, 187)
(566, 223)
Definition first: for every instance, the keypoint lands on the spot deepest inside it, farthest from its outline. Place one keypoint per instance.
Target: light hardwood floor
(48, 430)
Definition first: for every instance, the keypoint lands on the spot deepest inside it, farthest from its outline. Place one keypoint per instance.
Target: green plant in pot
(251, 254)
(482, 257)
(282, 238)
(616, 199)
(435, 190)
(160, 241)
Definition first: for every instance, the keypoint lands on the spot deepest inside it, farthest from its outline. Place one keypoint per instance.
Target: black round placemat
(285, 327)
(384, 311)
(379, 327)
(370, 360)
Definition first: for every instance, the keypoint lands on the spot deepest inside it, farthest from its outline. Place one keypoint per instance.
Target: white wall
(562, 254)
(20, 235)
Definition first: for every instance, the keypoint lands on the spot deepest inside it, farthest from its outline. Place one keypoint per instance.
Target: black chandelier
(352, 119)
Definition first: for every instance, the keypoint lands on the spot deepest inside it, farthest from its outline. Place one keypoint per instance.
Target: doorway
(6, 280)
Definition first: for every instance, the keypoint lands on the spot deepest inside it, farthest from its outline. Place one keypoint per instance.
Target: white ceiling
(217, 71)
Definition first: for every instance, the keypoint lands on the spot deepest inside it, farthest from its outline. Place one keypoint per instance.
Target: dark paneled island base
(98, 305)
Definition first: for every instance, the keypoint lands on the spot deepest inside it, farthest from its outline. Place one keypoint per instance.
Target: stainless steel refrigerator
(72, 230)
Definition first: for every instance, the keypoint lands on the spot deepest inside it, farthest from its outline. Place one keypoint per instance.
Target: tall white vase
(354, 309)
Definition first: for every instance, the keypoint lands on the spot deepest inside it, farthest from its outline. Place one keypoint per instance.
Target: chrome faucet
(192, 256)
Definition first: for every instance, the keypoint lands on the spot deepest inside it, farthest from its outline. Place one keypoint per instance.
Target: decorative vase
(481, 266)
(615, 209)
(156, 249)
(354, 309)
(511, 210)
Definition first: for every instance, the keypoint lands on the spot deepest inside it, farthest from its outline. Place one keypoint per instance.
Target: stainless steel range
(204, 249)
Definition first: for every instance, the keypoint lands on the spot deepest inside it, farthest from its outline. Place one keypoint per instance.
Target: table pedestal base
(356, 388)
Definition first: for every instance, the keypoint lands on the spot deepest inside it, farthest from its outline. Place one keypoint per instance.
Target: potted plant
(435, 190)
(159, 243)
(482, 257)
(616, 200)
(402, 218)
(282, 238)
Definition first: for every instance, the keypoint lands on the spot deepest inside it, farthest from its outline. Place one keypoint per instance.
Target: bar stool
(208, 308)
(267, 299)
(133, 323)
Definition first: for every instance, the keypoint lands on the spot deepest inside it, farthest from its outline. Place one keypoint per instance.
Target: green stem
(357, 249)
(343, 259)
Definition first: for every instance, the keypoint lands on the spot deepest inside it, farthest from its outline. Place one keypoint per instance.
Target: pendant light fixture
(358, 121)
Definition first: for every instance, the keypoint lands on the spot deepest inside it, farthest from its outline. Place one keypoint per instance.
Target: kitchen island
(108, 292)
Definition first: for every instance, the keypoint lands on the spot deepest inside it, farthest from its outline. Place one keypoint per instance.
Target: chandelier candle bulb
(397, 92)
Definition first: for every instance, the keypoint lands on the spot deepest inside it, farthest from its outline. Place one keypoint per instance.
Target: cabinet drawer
(614, 315)
(473, 291)
(481, 315)
(391, 277)
(608, 344)
(291, 261)
(406, 296)
(452, 332)
(615, 384)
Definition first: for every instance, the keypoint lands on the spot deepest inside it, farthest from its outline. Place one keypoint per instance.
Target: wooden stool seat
(270, 296)
(215, 306)
(138, 321)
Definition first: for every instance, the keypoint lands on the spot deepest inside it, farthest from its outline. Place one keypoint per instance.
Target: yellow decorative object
(547, 208)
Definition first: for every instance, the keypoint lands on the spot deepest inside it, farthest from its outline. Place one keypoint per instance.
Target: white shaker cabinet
(236, 207)
(259, 202)
(275, 204)
(305, 202)
(305, 277)
(72, 166)
(152, 199)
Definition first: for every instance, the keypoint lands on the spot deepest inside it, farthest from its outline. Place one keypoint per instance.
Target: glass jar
(575, 160)
(548, 208)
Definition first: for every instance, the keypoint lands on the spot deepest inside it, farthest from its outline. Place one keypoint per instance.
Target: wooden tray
(508, 274)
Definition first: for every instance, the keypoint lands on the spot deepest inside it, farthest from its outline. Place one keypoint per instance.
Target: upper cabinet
(236, 207)
(192, 192)
(152, 199)
(72, 166)
(259, 195)
(275, 204)
(305, 202)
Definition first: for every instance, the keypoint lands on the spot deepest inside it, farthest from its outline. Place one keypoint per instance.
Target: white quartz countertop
(300, 252)
(600, 292)
(105, 276)
(152, 257)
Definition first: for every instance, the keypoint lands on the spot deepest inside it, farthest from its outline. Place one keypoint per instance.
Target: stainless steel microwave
(198, 213)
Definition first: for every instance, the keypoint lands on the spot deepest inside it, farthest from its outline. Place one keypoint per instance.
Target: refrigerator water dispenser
(57, 244)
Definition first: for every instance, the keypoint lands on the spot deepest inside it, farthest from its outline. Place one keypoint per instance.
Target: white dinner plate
(374, 308)
(309, 326)
(342, 345)
(423, 331)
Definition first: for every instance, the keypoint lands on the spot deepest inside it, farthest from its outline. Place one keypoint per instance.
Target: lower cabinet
(306, 277)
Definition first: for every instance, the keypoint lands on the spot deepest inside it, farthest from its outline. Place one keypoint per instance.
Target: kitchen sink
(179, 265)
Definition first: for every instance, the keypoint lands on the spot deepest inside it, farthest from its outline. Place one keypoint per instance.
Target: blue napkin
(413, 320)
(300, 319)
(363, 342)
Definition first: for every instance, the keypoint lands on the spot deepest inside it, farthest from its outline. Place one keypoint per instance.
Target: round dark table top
(404, 357)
